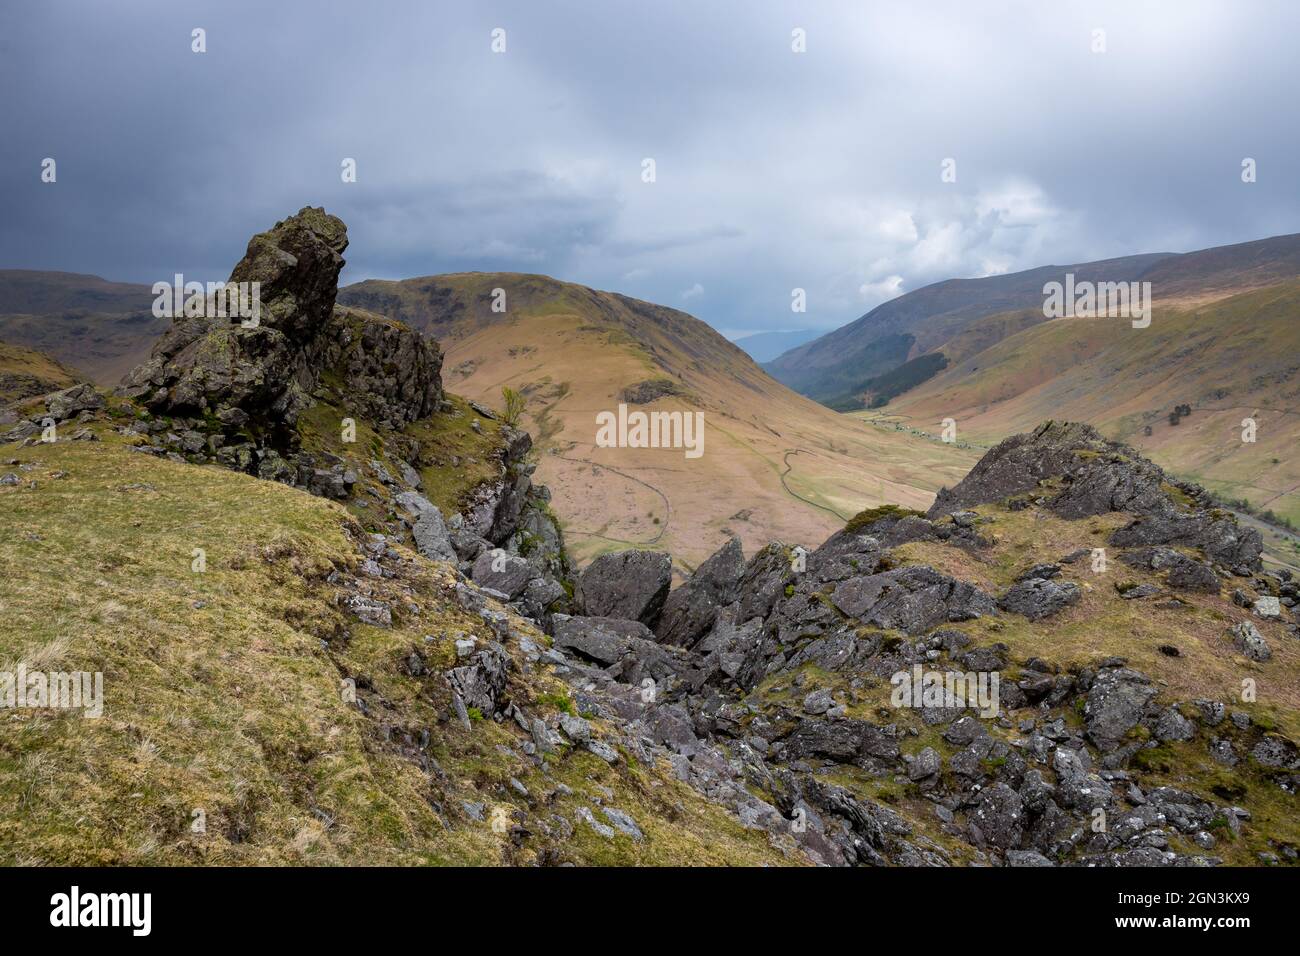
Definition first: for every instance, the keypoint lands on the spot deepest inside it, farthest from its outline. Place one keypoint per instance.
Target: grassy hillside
(1227, 360)
(775, 465)
(224, 699)
(25, 373)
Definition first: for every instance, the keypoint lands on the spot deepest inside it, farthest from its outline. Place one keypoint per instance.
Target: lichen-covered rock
(482, 680)
(611, 641)
(432, 539)
(505, 573)
(1184, 572)
(912, 599)
(765, 579)
(1115, 704)
(63, 404)
(1247, 639)
(998, 819)
(924, 765)
(209, 364)
(1037, 598)
(1216, 533)
(843, 740)
(389, 374)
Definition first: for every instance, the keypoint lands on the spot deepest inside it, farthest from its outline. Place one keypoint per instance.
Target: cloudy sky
(774, 169)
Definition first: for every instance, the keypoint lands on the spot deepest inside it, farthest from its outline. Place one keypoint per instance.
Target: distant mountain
(765, 346)
(573, 352)
(919, 321)
(837, 367)
(33, 291)
(101, 328)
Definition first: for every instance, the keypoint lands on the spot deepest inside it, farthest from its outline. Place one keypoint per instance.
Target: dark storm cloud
(774, 169)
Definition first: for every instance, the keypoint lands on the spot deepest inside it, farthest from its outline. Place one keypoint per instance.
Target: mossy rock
(864, 519)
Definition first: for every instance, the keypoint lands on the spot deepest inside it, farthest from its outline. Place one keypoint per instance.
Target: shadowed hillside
(102, 328)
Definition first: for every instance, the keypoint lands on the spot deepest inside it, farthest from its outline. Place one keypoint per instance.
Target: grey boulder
(632, 585)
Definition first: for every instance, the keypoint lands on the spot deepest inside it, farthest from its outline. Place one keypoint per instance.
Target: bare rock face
(690, 610)
(390, 374)
(1037, 598)
(627, 584)
(1247, 639)
(911, 599)
(1117, 700)
(1215, 532)
(68, 402)
(210, 365)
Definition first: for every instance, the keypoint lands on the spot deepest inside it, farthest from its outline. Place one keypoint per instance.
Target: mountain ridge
(836, 363)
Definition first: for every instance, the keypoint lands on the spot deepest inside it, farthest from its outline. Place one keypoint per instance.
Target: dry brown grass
(221, 697)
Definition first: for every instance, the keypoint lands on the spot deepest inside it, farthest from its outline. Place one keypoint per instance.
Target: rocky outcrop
(1216, 533)
(1099, 475)
(233, 388)
(1183, 572)
(235, 369)
(390, 374)
(651, 390)
(1024, 795)
(1038, 597)
(1096, 476)
(255, 396)
(912, 599)
(70, 402)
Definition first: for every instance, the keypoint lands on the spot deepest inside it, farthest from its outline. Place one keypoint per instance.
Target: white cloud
(897, 227)
(693, 292)
(885, 289)
(1017, 203)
